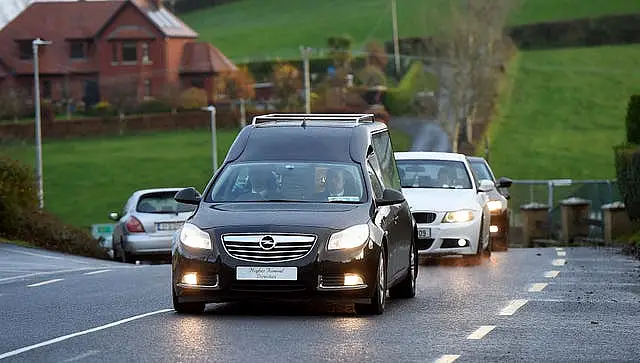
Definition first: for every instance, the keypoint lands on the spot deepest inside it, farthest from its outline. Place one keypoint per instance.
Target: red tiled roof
(60, 21)
(131, 32)
(203, 57)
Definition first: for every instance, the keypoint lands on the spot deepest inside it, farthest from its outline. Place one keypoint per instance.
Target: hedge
(21, 219)
(633, 120)
(627, 161)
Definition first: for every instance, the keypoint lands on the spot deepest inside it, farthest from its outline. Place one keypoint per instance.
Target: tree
(286, 83)
(236, 85)
(376, 55)
(340, 51)
(12, 100)
(122, 94)
(473, 53)
(171, 96)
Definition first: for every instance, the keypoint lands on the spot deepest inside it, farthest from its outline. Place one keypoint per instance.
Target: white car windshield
(289, 182)
(443, 174)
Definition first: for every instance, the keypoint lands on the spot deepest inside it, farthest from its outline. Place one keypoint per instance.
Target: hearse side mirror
(188, 196)
(390, 197)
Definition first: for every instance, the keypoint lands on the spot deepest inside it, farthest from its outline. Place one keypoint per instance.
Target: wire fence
(551, 193)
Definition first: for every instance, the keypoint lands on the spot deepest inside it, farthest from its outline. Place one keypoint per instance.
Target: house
(101, 48)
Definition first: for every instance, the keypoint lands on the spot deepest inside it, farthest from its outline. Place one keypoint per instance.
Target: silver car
(147, 224)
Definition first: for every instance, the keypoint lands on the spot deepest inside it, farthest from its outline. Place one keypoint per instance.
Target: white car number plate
(168, 226)
(265, 273)
(424, 232)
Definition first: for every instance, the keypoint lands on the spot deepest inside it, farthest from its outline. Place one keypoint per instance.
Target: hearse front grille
(268, 248)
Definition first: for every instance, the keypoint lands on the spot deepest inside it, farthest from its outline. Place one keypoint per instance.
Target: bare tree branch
(474, 52)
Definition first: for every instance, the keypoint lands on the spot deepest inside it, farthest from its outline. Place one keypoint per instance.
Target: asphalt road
(543, 304)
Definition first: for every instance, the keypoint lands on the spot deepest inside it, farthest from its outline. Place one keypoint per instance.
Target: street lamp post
(36, 75)
(212, 110)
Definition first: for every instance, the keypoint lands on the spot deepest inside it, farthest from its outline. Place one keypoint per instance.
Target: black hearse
(304, 207)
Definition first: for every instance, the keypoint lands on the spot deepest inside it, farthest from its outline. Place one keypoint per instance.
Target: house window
(129, 52)
(147, 88)
(114, 52)
(26, 51)
(46, 89)
(145, 53)
(78, 50)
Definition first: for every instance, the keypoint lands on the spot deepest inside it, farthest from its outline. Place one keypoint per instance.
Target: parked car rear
(146, 225)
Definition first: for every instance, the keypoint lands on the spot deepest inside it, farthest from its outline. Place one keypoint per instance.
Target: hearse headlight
(349, 238)
(194, 237)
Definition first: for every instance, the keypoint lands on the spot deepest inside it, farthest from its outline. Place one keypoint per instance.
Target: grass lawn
(563, 111)
(263, 29)
(84, 179)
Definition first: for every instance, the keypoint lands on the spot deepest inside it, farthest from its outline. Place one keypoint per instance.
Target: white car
(448, 203)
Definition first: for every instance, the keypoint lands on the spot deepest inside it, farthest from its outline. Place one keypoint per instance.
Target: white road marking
(44, 283)
(513, 307)
(537, 287)
(84, 332)
(33, 254)
(558, 262)
(447, 358)
(96, 272)
(559, 249)
(551, 274)
(82, 356)
(481, 332)
(54, 272)
(562, 253)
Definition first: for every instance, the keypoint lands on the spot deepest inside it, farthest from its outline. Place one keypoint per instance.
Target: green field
(266, 29)
(85, 179)
(563, 112)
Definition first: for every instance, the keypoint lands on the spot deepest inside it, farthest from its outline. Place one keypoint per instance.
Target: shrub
(153, 106)
(627, 161)
(401, 100)
(21, 219)
(17, 192)
(633, 120)
(193, 98)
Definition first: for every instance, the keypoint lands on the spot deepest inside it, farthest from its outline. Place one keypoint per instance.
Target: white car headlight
(494, 205)
(193, 236)
(459, 216)
(349, 238)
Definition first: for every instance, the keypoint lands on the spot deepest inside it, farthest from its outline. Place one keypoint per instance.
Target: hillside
(563, 113)
(259, 29)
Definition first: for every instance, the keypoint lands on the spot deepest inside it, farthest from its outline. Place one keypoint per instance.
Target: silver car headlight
(494, 205)
(459, 216)
(349, 238)
(194, 237)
